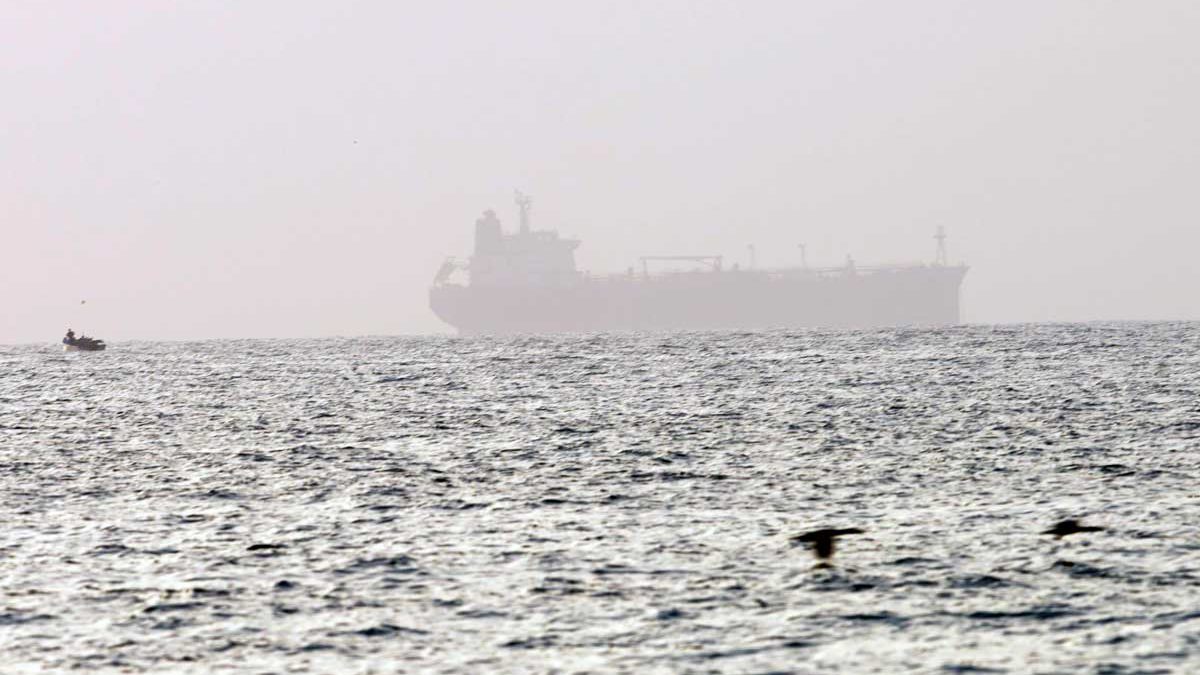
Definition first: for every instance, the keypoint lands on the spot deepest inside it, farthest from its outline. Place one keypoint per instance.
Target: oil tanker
(527, 282)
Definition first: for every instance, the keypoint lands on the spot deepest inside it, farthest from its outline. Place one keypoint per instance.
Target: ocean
(605, 503)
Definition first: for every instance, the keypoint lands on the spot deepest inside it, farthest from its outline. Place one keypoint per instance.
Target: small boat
(82, 343)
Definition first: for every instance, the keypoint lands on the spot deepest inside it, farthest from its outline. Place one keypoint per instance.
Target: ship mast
(940, 260)
(525, 204)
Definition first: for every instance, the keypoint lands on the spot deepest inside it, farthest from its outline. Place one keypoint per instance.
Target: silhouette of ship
(527, 282)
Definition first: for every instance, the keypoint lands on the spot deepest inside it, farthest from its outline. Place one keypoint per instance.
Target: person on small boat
(70, 338)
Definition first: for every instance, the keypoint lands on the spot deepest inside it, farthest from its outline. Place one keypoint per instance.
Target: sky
(228, 169)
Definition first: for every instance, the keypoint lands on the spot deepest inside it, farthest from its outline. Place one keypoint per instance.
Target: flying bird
(822, 540)
(1070, 526)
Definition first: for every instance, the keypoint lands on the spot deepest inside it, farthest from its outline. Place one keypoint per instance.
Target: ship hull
(79, 348)
(729, 300)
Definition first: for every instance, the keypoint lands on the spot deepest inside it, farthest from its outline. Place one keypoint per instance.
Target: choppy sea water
(605, 503)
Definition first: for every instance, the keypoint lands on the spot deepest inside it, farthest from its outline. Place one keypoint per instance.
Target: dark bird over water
(823, 540)
(1070, 526)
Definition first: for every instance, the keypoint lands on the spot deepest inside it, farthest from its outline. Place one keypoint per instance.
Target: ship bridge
(524, 258)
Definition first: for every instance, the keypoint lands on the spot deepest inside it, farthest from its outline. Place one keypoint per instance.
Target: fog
(273, 169)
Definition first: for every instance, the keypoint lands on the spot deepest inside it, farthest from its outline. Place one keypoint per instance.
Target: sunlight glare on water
(605, 503)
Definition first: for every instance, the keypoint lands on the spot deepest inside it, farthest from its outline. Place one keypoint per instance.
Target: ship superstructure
(527, 282)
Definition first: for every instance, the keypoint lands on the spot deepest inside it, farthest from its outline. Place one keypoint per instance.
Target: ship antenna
(525, 204)
(940, 260)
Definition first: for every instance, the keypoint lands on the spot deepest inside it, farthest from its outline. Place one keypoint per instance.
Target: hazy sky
(293, 168)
